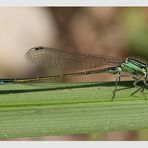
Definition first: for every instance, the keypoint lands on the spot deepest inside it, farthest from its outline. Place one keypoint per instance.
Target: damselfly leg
(145, 80)
(139, 88)
(118, 78)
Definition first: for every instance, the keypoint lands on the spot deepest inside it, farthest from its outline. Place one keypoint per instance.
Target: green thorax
(134, 66)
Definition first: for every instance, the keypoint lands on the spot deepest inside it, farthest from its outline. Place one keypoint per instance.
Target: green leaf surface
(74, 108)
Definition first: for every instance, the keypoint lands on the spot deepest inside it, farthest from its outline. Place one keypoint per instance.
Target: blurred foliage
(135, 26)
(89, 29)
(97, 30)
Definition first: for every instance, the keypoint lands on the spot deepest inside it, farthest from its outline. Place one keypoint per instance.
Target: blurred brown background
(110, 31)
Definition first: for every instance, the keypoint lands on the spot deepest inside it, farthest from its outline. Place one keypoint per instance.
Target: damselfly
(80, 64)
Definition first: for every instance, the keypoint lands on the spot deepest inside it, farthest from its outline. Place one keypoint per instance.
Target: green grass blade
(31, 111)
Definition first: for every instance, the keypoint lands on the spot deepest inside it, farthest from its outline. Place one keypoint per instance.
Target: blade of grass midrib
(78, 110)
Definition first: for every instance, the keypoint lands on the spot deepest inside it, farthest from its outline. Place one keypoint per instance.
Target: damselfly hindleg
(140, 88)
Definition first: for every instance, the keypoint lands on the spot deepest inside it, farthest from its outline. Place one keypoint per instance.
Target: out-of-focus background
(109, 31)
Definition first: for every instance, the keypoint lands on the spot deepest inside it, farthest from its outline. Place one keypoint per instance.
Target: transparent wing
(57, 60)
